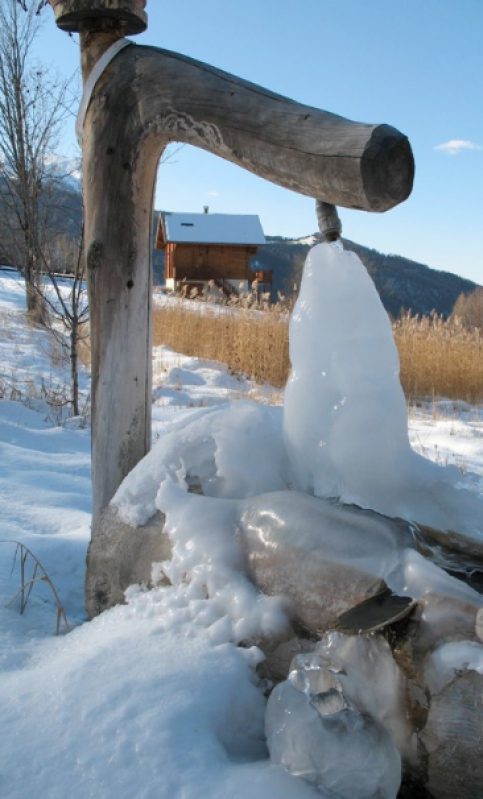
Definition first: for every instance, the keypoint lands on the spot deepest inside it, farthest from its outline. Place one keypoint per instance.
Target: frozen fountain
(316, 533)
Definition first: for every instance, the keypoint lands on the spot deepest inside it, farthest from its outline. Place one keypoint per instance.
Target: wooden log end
(75, 15)
(387, 168)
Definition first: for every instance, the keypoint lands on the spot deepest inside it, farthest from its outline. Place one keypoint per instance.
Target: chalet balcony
(265, 276)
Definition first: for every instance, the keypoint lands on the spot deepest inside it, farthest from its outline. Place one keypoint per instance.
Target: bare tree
(33, 107)
(469, 309)
(69, 308)
(38, 6)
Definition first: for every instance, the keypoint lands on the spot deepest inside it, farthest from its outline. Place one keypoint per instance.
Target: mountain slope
(401, 283)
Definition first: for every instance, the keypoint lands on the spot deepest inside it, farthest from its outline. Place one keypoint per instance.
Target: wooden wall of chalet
(208, 262)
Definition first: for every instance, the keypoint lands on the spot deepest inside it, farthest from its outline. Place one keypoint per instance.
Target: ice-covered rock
(317, 733)
(325, 557)
(121, 555)
(328, 557)
(353, 711)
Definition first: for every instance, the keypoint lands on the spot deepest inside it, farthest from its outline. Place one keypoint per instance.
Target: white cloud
(455, 146)
(213, 194)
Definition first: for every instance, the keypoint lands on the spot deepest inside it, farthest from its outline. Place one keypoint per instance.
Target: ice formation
(452, 657)
(328, 557)
(341, 720)
(345, 420)
(325, 725)
(202, 450)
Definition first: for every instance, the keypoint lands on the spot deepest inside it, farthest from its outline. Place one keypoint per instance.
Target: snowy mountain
(68, 171)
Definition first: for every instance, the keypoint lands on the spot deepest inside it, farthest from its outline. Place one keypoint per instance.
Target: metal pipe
(330, 225)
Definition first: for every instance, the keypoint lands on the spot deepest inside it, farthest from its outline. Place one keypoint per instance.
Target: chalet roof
(211, 228)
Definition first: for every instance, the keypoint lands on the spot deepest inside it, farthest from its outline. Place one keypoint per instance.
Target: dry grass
(40, 385)
(85, 345)
(251, 342)
(31, 573)
(438, 358)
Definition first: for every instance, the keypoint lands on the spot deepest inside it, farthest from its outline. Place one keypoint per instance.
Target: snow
(202, 447)
(155, 699)
(67, 171)
(213, 228)
(310, 240)
(151, 699)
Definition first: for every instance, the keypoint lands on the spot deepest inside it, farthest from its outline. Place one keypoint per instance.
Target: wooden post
(144, 99)
(118, 189)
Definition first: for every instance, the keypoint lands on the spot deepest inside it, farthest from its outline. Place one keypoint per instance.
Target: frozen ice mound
(200, 450)
(345, 419)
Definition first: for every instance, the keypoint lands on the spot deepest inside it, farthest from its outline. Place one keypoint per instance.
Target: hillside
(401, 283)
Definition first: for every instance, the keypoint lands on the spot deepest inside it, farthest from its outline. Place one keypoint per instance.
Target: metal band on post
(91, 81)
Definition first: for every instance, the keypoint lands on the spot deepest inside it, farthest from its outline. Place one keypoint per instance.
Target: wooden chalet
(211, 253)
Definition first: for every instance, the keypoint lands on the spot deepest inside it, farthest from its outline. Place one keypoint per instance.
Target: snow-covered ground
(154, 699)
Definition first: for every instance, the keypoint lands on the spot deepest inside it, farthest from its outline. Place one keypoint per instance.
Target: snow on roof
(212, 228)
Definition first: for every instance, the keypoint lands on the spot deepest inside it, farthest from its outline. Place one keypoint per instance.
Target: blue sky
(414, 64)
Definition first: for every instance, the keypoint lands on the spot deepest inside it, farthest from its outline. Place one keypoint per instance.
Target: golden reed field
(439, 358)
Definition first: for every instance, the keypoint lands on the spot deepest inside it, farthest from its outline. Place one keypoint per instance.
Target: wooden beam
(310, 151)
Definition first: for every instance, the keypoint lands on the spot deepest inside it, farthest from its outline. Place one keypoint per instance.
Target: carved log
(301, 148)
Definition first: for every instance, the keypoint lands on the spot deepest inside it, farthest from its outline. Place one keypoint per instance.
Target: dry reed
(31, 573)
(84, 345)
(438, 358)
(251, 342)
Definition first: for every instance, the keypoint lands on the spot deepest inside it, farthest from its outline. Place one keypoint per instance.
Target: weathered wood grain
(311, 151)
